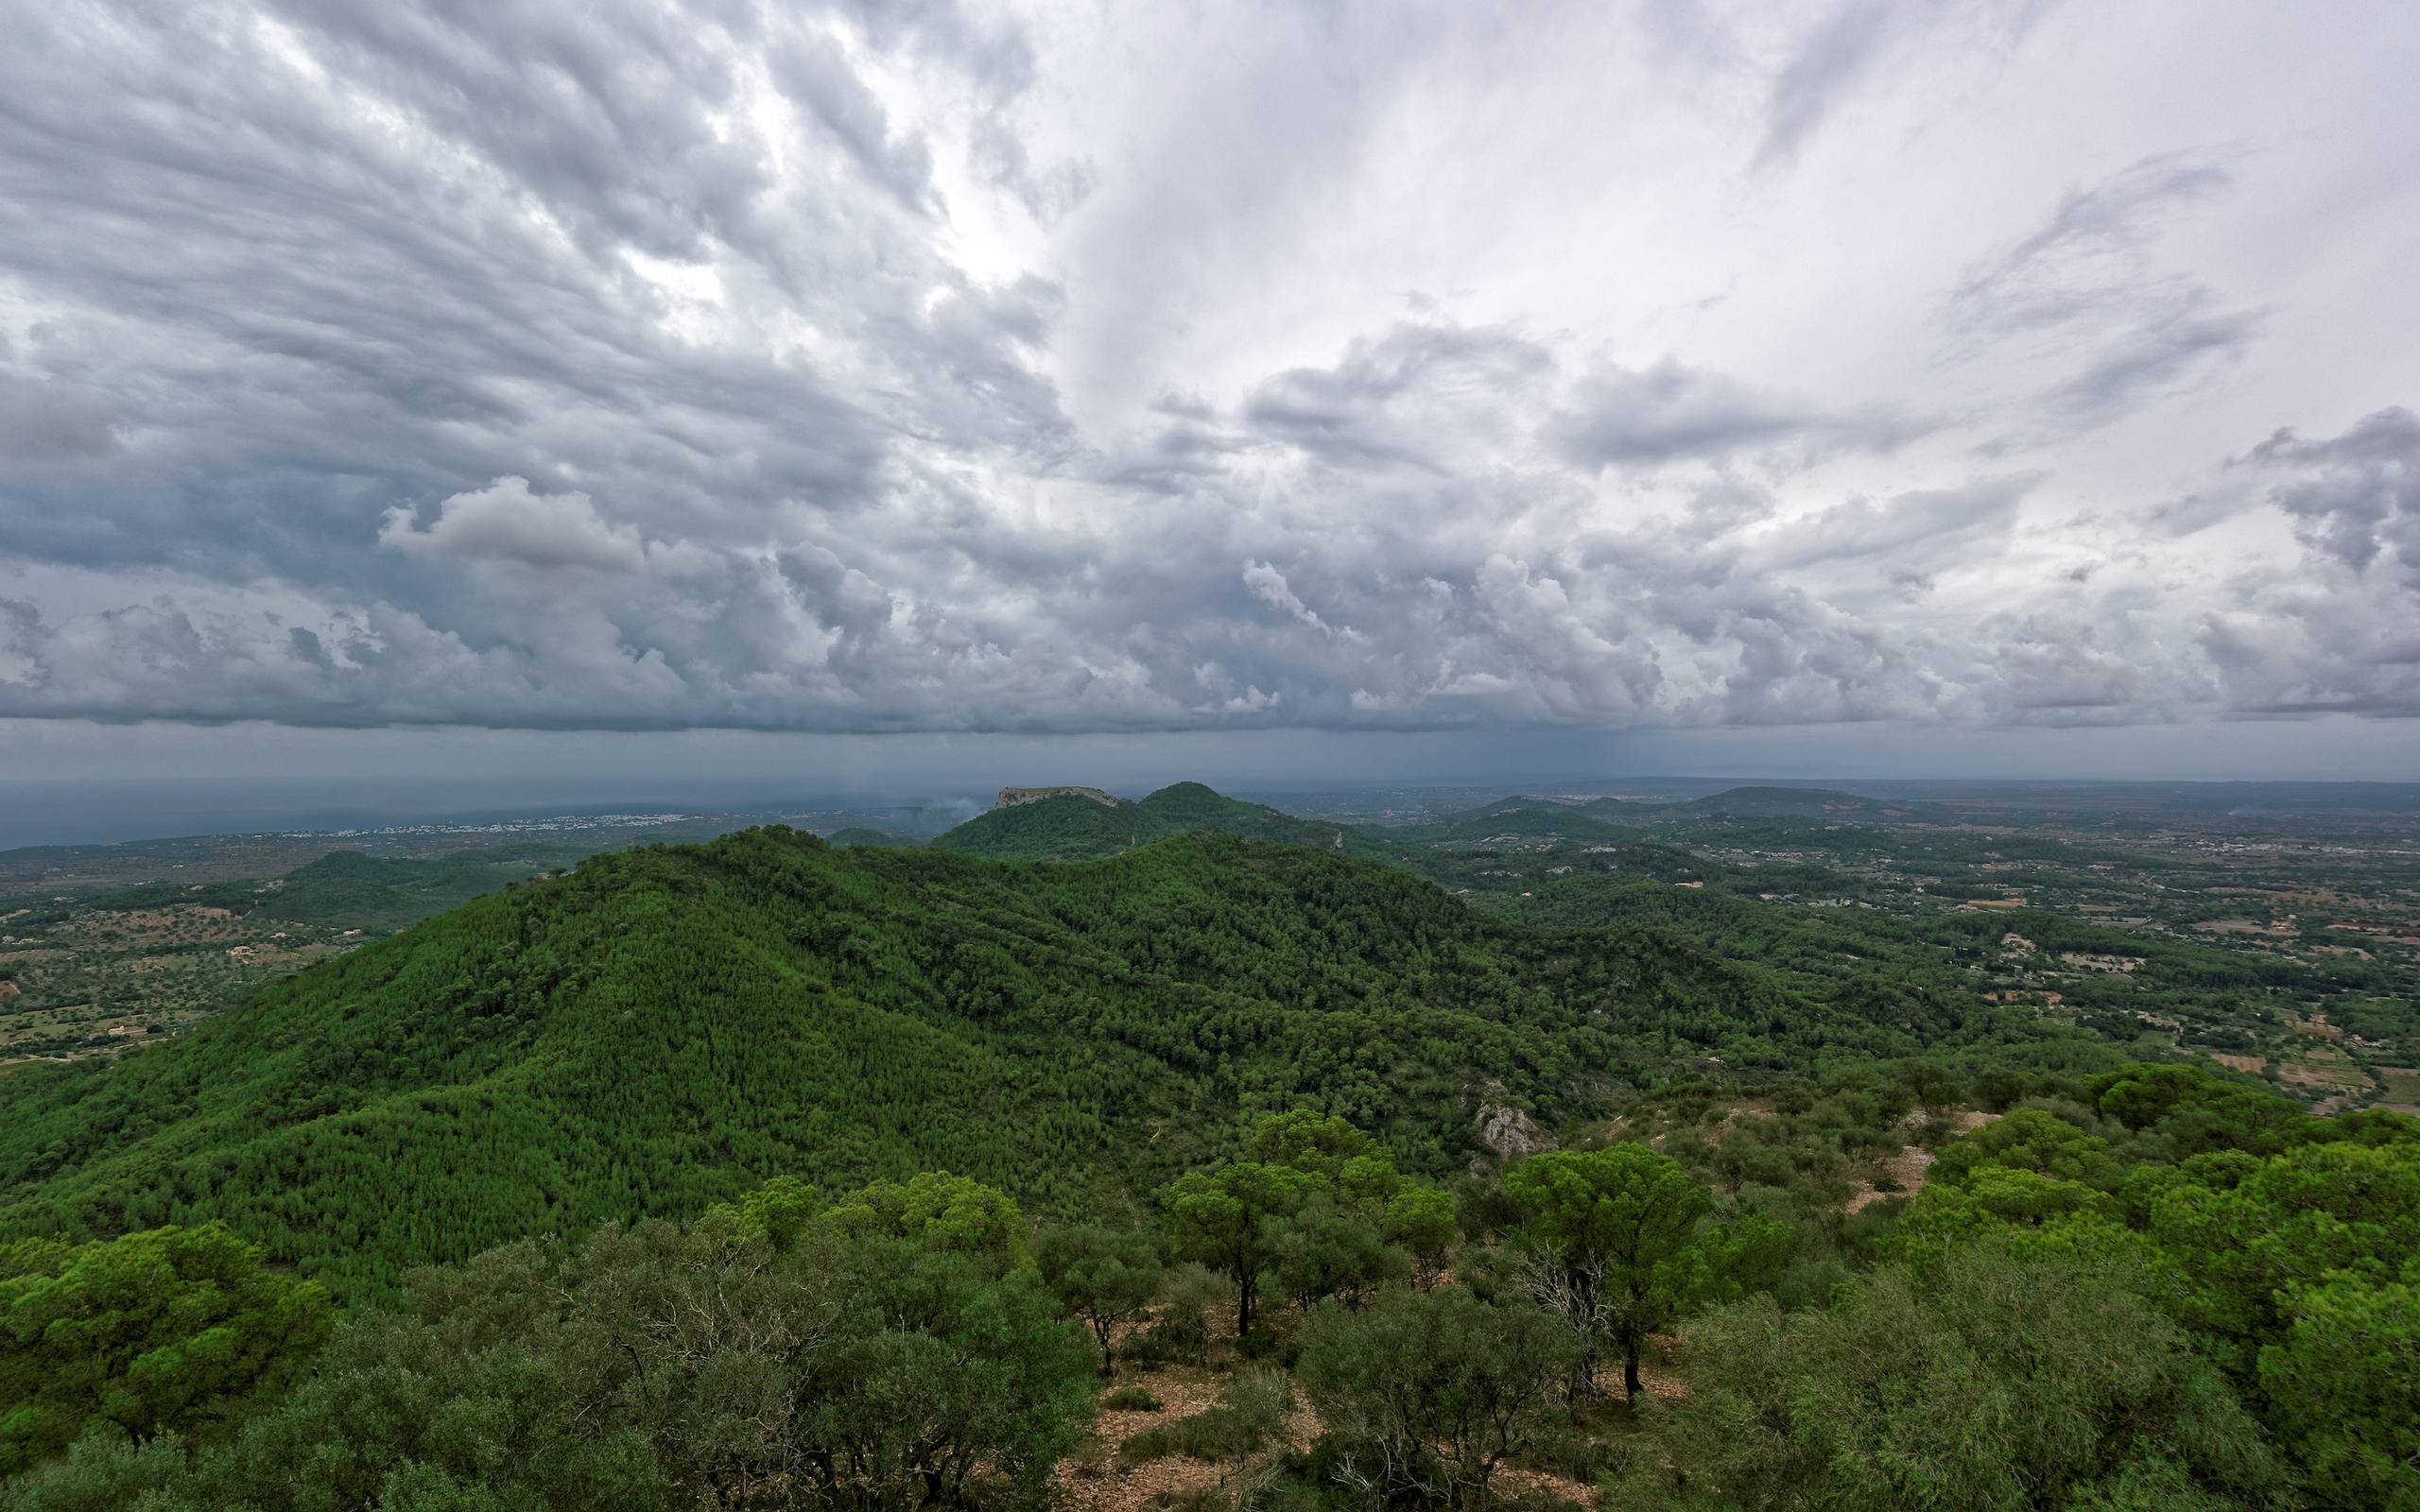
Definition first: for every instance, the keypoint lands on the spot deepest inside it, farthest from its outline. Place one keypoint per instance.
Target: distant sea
(69, 812)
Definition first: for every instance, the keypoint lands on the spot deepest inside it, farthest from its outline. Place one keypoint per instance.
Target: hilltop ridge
(1015, 797)
(664, 1027)
(1084, 823)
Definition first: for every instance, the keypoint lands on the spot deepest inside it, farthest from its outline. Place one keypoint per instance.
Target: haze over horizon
(915, 399)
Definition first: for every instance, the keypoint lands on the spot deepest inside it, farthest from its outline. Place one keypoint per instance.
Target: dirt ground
(1093, 1480)
(1906, 1168)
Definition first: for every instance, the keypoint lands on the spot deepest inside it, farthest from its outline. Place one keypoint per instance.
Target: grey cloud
(1577, 661)
(1937, 520)
(1670, 412)
(1268, 585)
(2199, 510)
(2085, 291)
(2284, 652)
(2085, 257)
(620, 366)
(994, 52)
(1381, 405)
(45, 421)
(818, 77)
(1841, 50)
(507, 523)
(2356, 496)
(1181, 456)
(1047, 194)
(596, 109)
(1787, 658)
(1853, 41)
(2336, 632)
(2058, 666)
(2165, 351)
(464, 337)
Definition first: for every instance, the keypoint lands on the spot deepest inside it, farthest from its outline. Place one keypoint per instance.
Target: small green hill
(1060, 828)
(346, 889)
(1069, 828)
(381, 895)
(1803, 802)
(1519, 818)
(860, 835)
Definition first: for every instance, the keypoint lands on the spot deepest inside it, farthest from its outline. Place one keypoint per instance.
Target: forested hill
(665, 1027)
(1069, 828)
(1810, 802)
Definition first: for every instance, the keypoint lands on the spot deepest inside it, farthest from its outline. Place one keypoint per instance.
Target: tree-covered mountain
(667, 1026)
(1522, 819)
(1066, 827)
(379, 894)
(1614, 818)
(1810, 802)
(860, 835)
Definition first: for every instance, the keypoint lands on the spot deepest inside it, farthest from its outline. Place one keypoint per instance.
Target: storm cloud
(866, 368)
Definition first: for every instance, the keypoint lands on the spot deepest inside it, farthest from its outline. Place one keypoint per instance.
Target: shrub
(171, 1329)
(1178, 1333)
(627, 1376)
(1993, 1385)
(1250, 1413)
(1424, 1394)
(1099, 1276)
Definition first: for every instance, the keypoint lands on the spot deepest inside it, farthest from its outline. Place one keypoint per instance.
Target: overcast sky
(1961, 387)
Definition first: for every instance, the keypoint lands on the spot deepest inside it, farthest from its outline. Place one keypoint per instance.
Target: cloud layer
(862, 366)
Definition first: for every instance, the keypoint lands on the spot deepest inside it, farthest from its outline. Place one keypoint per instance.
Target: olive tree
(1101, 1276)
(1617, 1242)
(1425, 1395)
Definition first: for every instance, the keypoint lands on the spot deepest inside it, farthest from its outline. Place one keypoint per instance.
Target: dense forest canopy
(2147, 1289)
(665, 1027)
(1068, 827)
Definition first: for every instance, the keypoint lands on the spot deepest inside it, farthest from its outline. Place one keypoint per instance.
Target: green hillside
(665, 1027)
(1068, 828)
(378, 894)
(381, 895)
(1808, 803)
(1518, 819)
(860, 835)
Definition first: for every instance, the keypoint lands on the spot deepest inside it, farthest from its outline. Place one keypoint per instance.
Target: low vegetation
(2200, 1322)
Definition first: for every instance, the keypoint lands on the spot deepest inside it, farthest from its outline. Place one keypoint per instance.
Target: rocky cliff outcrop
(1509, 1132)
(1013, 796)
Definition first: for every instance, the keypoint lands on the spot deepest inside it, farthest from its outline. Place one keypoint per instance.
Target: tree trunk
(1630, 1372)
(1243, 1307)
(1108, 1366)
